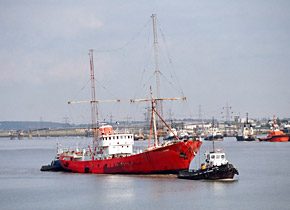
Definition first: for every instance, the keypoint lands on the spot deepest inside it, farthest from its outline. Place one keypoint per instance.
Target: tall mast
(93, 102)
(153, 119)
(94, 108)
(157, 71)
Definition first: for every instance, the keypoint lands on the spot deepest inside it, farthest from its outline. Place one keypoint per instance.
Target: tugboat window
(212, 157)
(218, 157)
(223, 157)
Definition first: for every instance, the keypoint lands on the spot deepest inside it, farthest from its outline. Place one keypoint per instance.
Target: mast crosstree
(94, 102)
(153, 112)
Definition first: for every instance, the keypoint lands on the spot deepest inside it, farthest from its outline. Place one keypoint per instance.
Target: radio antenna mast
(157, 71)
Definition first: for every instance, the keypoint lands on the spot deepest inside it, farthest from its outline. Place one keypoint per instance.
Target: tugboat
(215, 167)
(215, 134)
(275, 135)
(55, 164)
(247, 132)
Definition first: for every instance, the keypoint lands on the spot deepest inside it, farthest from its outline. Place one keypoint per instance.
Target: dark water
(263, 182)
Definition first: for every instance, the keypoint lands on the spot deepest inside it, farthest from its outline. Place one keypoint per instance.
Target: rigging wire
(171, 69)
(106, 89)
(169, 59)
(128, 42)
(144, 85)
(111, 50)
(169, 82)
(143, 73)
(77, 94)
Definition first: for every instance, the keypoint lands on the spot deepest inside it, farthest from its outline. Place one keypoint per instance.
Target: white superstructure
(111, 144)
(215, 158)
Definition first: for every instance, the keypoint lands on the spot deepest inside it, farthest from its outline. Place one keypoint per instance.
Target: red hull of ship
(276, 139)
(276, 136)
(163, 160)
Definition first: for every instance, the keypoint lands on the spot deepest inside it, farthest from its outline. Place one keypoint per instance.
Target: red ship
(114, 156)
(113, 153)
(276, 135)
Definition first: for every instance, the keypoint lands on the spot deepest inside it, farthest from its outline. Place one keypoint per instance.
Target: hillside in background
(30, 125)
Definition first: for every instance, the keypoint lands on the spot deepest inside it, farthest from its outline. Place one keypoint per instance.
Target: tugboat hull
(214, 138)
(249, 138)
(227, 171)
(54, 166)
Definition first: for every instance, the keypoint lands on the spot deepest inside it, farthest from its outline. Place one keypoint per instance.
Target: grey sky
(235, 52)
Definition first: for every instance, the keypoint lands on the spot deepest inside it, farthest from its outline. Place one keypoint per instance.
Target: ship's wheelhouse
(216, 158)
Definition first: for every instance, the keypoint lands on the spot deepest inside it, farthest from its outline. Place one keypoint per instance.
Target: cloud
(38, 42)
(48, 20)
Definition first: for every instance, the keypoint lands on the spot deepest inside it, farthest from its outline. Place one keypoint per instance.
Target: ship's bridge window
(222, 156)
(109, 138)
(212, 157)
(218, 157)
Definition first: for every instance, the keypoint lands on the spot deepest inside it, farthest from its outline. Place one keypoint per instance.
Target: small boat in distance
(215, 134)
(181, 134)
(247, 133)
(139, 137)
(276, 135)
